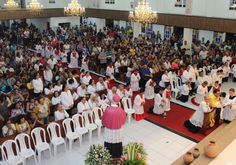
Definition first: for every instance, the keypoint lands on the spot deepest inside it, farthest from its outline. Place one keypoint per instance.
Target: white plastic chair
(55, 140)
(104, 106)
(11, 158)
(174, 89)
(97, 119)
(39, 144)
(90, 126)
(178, 83)
(80, 129)
(70, 134)
(25, 152)
(2, 162)
(128, 108)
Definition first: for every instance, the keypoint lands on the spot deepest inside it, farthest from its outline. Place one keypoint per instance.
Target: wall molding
(194, 22)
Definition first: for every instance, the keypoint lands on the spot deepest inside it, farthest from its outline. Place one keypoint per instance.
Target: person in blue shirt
(13, 47)
(145, 62)
(145, 73)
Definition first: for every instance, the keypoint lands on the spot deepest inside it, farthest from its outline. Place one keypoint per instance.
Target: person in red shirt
(91, 37)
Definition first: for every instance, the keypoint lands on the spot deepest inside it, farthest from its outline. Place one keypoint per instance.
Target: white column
(137, 29)
(100, 24)
(188, 33)
(122, 24)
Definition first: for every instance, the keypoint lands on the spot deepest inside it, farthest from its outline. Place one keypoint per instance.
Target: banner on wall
(128, 27)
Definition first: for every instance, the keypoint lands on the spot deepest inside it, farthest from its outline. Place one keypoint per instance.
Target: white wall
(40, 23)
(119, 5)
(208, 35)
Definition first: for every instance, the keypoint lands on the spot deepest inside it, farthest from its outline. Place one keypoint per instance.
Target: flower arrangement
(134, 154)
(97, 155)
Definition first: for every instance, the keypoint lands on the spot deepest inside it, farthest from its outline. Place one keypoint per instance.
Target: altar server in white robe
(229, 104)
(208, 78)
(128, 91)
(110, 72)
(101, 84)
(43, 50)
(57, 54)
(214, 87)
(63, 57)
(167, 98)
(38, 48)
(159, 103)
(121, 91)
(107, 83)
(84, 64)
(216, 77)
(93, 101)
(82, 90)
(194, 124)
(73, 59)
(202, 90)
(49, 51)
(164, 79)
(149, 88)
(86, 78)
(92, 87)
(138, 106)
(135, 77)
(83, 106)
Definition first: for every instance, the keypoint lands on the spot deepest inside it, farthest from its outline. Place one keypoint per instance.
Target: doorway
(179, 31)
(48, 25)
(109, 23)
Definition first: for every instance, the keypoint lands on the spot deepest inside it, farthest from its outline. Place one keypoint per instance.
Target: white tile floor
(163, 147)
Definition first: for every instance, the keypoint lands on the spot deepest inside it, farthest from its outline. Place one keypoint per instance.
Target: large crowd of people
(50, 67)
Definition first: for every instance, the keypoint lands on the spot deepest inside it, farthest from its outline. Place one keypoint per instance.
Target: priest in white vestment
(194, 124)
(229, 103)
(110, 72)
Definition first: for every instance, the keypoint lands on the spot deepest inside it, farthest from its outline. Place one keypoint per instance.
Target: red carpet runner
(175, 117)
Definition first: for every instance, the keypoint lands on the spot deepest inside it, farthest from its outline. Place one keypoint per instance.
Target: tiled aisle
(163, 147)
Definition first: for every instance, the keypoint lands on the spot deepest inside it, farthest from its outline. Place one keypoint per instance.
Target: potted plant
(97, 155)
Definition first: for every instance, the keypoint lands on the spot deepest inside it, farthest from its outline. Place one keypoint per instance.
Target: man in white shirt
(9, 69)
(186, 75)
(167, 64)
(101, 84)
(82, 90)
(193, 71)
(52, 61)
(203, 54)
(121, 91)
(227, 58)
(111, 94)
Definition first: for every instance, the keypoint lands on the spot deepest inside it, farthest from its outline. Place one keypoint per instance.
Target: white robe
(43, 51)
(208, 79)
(63, 57)
(166, 100)
(229, 113)
(110, 72)
(197, 118)
(226, 71)
(135, 82)
(49, 52)
(186, 76)
(201, 92)
(193, 73)
(128, 93)
(211, 90)
(57, 56)
(138, 107)
(66, 99)
(158, 109)
(73, 60)
(84, 65)
(120, 93)
(199, 81)
(149, 90)
(38, 48)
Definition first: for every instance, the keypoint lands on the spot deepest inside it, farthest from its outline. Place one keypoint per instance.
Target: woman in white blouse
(58, 87)
(38, 85)
(48, 75)
(67, 99)
(102, 99)
(93, 101)
(87, 78)
(49, 89)
(56, 99)
(92, 86)
(83, 106)
(61, 113)
(164, 79)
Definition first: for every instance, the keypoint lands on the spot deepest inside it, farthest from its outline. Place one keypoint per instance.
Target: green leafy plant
(97, 155)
